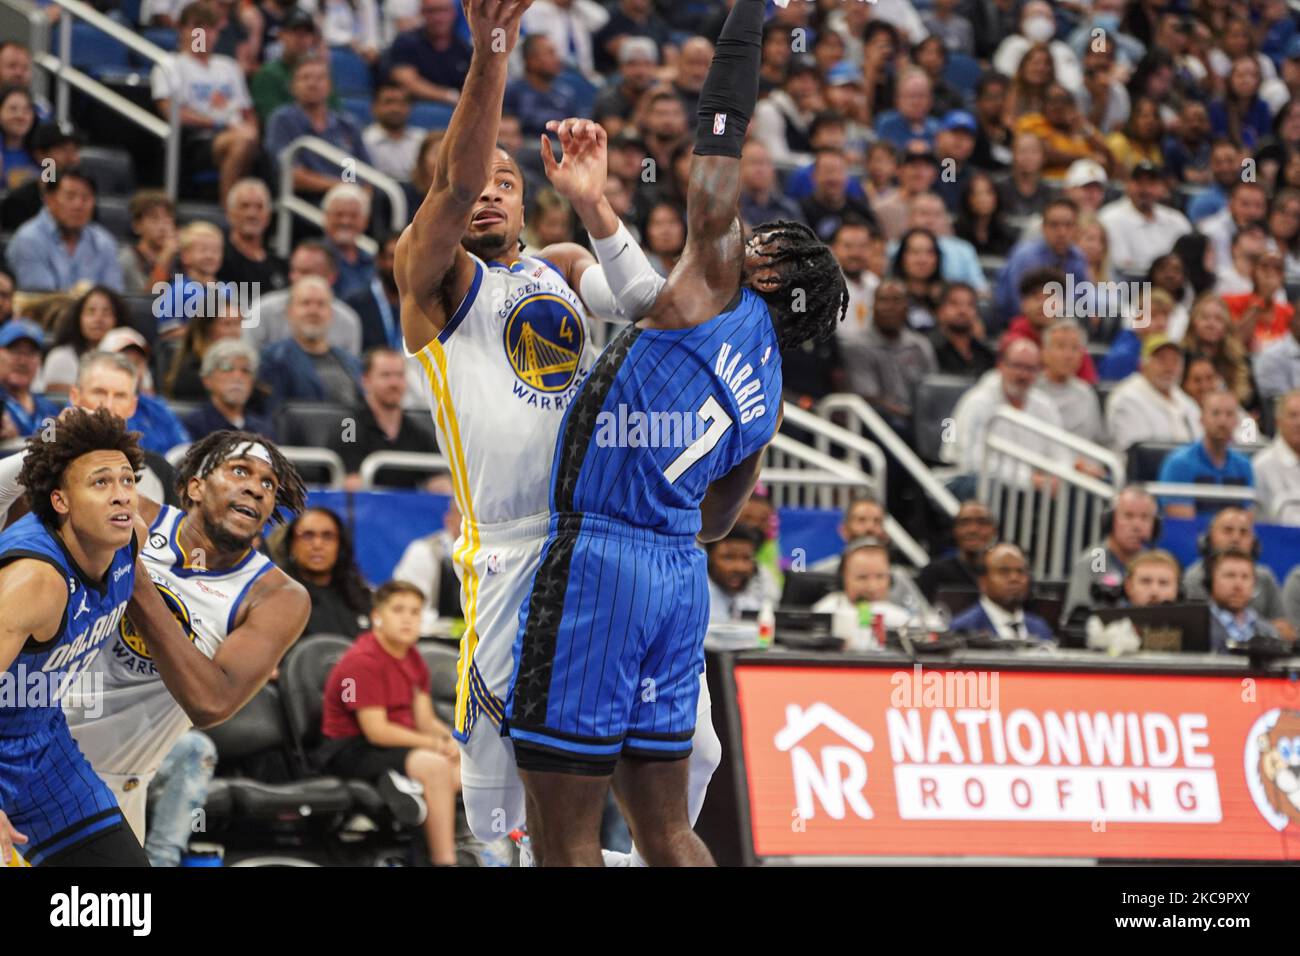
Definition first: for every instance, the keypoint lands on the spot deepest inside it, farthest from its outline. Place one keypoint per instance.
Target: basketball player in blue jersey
(66, 575)
(659, 450)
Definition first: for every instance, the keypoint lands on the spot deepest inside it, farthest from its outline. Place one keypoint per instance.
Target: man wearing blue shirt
(60, 246)
(431, 61)
(911, 118)
(1209, 461)
(310, 115)
(22, 342)
(536, 97)
(1055, 249)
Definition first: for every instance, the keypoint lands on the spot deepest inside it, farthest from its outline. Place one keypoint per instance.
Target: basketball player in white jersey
(503, 343)
(209, 619)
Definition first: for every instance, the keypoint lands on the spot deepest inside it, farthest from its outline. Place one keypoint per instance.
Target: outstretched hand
(494, 24)
(580, 174)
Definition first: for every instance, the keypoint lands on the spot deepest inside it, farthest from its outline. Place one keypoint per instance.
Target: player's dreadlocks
(806, 266)
(207, 454)
(77, 432)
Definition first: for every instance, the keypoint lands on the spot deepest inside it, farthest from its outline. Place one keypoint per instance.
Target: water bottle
(766, 625)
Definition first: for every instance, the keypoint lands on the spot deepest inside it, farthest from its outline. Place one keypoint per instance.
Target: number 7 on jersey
(719, 421)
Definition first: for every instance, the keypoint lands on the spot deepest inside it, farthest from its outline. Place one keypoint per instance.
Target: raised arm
(433, 272)
(712, 263)
(625, 285)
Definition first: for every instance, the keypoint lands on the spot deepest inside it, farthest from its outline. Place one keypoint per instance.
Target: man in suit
(1004, 589)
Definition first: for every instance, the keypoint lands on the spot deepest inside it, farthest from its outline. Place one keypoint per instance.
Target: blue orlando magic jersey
(92, 615)
(664, 413)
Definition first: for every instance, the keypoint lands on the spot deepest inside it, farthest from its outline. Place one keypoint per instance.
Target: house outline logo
(836, 780)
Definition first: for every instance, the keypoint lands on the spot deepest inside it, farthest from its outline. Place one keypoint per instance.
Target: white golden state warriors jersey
(498, 379)
(130, 727)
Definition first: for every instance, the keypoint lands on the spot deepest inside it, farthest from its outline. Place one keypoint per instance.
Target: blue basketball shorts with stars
(610, 648)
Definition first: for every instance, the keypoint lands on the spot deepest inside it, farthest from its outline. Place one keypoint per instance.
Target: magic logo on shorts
(544, 339)
(133, 641)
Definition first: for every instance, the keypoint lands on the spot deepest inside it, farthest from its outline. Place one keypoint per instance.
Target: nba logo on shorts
(494, 564)
(719, 123)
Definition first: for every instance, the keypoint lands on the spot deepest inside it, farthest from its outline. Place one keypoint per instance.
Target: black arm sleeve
(729, 93)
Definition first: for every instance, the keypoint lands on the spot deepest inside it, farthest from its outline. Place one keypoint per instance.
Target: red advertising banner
(874, 761)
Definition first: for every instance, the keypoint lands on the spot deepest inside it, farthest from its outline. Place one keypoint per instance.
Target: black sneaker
(404, 797)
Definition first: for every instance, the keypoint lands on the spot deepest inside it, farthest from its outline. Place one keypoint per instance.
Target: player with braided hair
(610, 649)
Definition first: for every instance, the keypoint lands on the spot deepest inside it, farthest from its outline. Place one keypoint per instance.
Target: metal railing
(401, 460)
(68, 76)
(865, 419)
(1042, 502)
(1280, 506)
(804, 476)
(1225, 494)
(302, 455)
(291, 205)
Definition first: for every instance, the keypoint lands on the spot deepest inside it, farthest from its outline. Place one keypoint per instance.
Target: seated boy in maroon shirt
(379, 725)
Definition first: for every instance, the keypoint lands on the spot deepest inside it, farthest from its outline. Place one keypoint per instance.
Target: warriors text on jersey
(139, 719)
(47, 788)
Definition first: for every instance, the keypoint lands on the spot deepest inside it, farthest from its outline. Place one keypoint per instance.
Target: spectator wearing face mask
(1038, 25)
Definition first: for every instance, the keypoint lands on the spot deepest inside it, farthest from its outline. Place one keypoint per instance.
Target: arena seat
(430, 115)
(936, 397)
(139, 316)
(188, 212)
(1146, 457)
(962, 72)
(94, 50)
(111, 168)
(315, 424)
(440, 658)
(113, 213)
(259, 728)
(358, 107)
(350, 73)
(302, 676)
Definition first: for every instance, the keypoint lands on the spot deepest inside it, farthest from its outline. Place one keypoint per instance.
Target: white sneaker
(404, 797)
(614, 858)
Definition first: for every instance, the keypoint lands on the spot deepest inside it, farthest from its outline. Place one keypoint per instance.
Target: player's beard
(223, 538)
(489, 245)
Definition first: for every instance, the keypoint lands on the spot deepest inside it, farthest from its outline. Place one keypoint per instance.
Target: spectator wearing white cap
(158, 425)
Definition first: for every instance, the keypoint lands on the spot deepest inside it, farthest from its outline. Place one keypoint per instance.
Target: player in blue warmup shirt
(67, 570)
(659, 450)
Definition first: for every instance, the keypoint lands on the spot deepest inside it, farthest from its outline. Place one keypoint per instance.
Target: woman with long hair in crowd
(1209, 331)
(1141, 138)
(549, 220)
(78, 331)
(918, 264)
(1241, 115)
(1196, 253)
(1272, 154)
(979, 218)
(316, 551)
(17, 123)
(665, 236)
(1284, 229)
(1028, 94)
(1167, 275)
